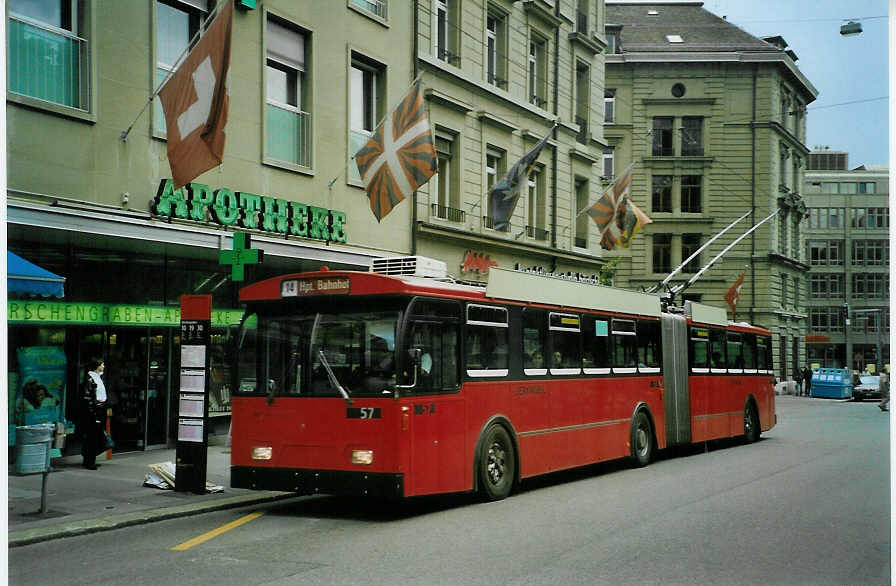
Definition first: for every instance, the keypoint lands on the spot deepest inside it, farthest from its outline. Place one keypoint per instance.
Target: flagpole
(699, 274)
(205, 25)
(659, 286)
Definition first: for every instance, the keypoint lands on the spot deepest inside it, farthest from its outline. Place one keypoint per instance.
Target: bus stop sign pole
(192, 420)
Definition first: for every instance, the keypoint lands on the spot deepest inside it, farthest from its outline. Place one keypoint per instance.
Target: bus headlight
(262, 452)
(364, 457)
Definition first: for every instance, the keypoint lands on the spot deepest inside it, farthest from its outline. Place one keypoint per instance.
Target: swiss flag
(733, 293)
(196, 99)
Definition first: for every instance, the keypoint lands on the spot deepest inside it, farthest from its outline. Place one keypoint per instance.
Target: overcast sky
(843, 69)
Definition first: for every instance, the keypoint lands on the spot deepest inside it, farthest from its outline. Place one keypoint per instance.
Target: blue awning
(26, 278)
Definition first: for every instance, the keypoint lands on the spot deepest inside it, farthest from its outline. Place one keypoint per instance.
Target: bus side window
(735, 351)
(649, 353)
(699, 349)
(596, 356)
(486, 341)
(534, 342)
(718, 361)
(625, 344)
(750, 351)
(438, 355)
(565, 337)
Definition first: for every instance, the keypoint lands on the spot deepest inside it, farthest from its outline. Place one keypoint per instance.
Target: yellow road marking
(215, 532)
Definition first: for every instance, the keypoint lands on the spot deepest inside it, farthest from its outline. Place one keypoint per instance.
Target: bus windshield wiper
(333, 380)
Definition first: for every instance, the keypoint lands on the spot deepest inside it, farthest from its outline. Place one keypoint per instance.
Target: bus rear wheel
(751, 424)
(497, 464)
(642, 440)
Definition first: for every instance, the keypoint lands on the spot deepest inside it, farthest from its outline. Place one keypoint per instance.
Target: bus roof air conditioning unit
(410, 266)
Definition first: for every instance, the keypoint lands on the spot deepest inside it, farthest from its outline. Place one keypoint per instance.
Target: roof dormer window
(674, 38)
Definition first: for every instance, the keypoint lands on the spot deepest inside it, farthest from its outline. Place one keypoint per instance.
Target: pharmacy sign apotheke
(228, 208)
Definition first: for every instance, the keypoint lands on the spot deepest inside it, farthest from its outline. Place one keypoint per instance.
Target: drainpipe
(414, 195)
(753, 203)
(555, 131)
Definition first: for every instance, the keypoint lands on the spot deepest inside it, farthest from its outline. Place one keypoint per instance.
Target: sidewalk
(83, 501)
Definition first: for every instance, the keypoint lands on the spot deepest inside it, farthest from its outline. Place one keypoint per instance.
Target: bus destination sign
(315, 286)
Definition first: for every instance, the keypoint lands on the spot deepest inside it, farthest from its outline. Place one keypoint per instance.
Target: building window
(494, 166)
(662, 193)
(444, 183)
(784, 283)
(582, 10)
(376, 7)
(692, 136)
(662, 253)
(692, 194)
(610, 106)
(583, 101)
(662, 136)
(176, 24)
(609, 163)
(866, 187)
(537, 71)
(287, 116)
(48, 56)
(825, 252)
(826, 286)
(849, 188)
(613, 42)
(535, 208)
(583, 221)
(690, 243)
(870, 285)
(783, 233)
(496, 48)
(870, 252)
(446, 27)
(366, 87)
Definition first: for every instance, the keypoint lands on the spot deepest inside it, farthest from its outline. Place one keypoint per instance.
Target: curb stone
(86, 526)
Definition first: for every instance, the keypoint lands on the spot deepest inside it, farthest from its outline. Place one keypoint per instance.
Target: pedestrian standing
(884, 386)
(93, 413)
(807, 380)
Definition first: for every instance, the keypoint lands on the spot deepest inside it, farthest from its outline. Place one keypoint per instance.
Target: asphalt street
(809, 503)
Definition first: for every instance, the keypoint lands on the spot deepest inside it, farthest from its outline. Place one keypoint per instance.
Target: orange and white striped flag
(400, 156)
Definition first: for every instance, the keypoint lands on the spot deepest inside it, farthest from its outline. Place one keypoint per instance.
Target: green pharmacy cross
(241, 255)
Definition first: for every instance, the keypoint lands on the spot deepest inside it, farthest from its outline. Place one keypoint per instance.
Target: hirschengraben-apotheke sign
(105, 314)
(198, 202)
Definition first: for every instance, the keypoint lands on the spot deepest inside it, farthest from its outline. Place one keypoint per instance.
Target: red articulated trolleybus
(399, 382)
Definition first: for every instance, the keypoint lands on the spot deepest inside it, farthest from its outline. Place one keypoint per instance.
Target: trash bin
(33, 444)
(831, 383)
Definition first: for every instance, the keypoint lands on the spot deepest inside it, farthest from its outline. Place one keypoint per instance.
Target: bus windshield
(280, 353)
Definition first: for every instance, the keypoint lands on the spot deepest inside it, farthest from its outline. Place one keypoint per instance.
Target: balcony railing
(536, 233)
(447, 213)
(288, 135)
(48, 64)
(581, 242)
(692, 150)
(489, 222)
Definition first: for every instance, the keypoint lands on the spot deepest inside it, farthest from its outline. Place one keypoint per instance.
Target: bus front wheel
(751, 424)
(642, 439)
(497, 464)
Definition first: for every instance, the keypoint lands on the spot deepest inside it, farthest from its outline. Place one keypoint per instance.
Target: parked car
(868, 387)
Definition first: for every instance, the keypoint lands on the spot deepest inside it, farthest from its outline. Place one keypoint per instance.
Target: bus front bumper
(305, 481)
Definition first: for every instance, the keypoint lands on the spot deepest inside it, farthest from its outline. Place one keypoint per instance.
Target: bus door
(436, 414)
